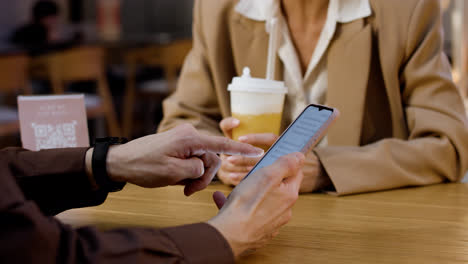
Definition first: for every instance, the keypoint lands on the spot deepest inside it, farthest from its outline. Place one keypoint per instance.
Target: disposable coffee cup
(257, 104)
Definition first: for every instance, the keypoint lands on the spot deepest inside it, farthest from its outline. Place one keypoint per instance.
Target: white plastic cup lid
(246, 83)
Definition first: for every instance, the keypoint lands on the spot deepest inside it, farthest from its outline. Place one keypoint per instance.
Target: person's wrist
(237, 248)
(114, 163)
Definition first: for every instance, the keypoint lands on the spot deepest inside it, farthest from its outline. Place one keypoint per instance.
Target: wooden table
(417, 225)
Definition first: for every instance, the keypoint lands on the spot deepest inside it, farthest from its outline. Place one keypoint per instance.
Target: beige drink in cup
(257, 104)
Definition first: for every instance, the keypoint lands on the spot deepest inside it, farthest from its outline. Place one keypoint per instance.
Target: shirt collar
(263, 10)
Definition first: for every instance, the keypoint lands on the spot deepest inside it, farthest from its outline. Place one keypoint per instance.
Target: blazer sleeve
(194, 100)
(437, 148)
(55, 180)
(28, 236)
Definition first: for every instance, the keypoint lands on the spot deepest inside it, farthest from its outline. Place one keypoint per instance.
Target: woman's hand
(235, 168)
(315, 178)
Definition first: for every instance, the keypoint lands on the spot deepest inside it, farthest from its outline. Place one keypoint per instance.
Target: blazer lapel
(249, 45)
(349, 61)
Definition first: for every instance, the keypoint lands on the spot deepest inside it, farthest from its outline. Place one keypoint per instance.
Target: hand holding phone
(302, 135)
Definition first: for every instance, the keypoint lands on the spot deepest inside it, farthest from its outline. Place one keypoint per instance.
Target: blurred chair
(85, 63)
(170, 57)
(13, 81)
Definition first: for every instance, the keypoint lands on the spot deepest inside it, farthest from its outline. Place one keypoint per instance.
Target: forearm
(315, 176)
(28, 236)
(391, 163)
(197, 243)
(55, 179)
(39, 239)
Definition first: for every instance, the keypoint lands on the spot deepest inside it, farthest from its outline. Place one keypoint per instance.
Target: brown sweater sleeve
(29, 236)
(54, 179)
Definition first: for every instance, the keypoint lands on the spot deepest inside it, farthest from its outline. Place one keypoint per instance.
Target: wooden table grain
(415, 225)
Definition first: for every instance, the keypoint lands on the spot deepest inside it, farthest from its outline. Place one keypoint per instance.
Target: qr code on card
(54, 136)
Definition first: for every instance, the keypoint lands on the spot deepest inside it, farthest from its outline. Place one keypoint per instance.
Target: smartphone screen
(298, 136)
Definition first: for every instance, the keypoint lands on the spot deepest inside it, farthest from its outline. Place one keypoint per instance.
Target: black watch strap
(99, 163)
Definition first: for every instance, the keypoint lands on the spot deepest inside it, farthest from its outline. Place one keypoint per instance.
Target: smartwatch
(99, 163)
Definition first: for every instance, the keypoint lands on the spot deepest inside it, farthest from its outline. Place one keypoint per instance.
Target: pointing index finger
(223, 145)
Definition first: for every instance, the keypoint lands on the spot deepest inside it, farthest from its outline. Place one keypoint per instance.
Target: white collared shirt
(312, 87)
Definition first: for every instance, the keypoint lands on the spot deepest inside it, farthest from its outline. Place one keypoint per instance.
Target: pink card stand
(50, 122)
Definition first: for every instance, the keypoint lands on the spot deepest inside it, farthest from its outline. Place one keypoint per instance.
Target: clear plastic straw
(272, 48)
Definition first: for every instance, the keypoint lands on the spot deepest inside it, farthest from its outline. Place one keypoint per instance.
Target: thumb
(286, 168)
(219, 199)
(227, 125)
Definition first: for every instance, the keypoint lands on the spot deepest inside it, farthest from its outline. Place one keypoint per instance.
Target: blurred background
(125, 55)
(139, 18)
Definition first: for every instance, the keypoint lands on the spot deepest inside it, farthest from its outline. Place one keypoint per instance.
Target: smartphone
(302, 135)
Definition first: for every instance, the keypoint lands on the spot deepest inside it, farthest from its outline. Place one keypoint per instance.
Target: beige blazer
(402, 120)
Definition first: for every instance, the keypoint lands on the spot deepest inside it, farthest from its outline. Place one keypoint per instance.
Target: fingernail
(231, 159)
(243, 139)
(235, 122)
(260, 151)
(250, 168)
